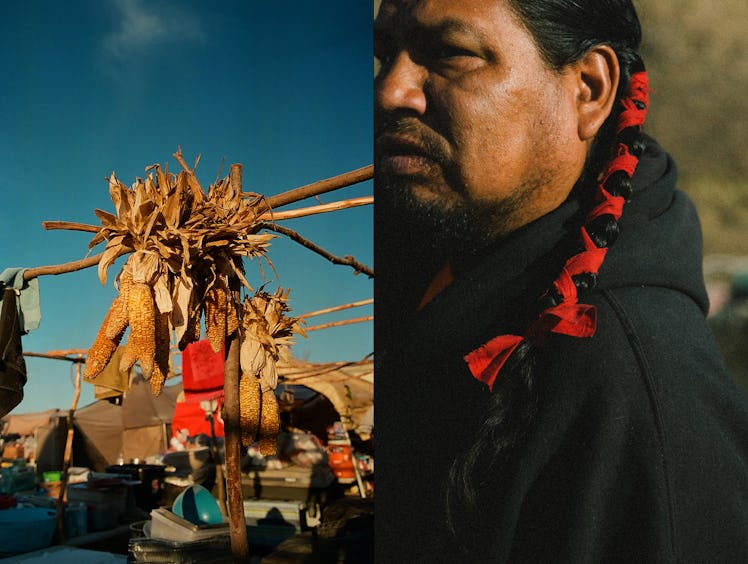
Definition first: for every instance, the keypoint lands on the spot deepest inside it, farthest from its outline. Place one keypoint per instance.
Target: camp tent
(27, 423)
(140, 426)
(136, 429)
(348, 385)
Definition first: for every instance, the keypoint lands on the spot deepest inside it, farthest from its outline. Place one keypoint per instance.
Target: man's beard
(463, 229)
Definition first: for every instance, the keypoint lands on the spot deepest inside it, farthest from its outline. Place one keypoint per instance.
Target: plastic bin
(24, 529)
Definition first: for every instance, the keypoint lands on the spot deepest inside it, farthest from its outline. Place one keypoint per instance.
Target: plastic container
(341, 460)
(24, 529)
(105, 505)
(75, 519)
(17, 478)
(52, 476)
(197, 505)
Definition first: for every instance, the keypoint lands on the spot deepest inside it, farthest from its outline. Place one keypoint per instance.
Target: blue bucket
(23, 529)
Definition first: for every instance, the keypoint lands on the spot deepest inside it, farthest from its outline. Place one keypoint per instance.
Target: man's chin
(438, 195)
(436, 220)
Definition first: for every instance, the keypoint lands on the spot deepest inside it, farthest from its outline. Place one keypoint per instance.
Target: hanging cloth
(12, 364)
(28, 303)
(111, 382)
(202, 372)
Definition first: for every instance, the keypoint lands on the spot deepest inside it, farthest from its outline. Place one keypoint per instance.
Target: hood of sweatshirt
(659, 245)
(660, 242)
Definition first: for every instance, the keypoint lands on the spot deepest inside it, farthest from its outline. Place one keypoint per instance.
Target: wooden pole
(339, 323)
(321, 187)
(68, 452)
(232, 426)
(333, 309)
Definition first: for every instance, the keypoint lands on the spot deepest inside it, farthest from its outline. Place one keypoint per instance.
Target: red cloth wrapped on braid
(570, 317)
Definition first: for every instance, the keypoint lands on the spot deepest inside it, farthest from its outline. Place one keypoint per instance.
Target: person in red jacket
(549, 388)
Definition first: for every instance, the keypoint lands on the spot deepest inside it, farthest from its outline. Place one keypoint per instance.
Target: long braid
(514, 401)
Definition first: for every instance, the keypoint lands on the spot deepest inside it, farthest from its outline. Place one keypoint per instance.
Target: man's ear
(597, 74)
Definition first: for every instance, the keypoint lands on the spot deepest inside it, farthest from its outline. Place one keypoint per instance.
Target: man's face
(470, 122)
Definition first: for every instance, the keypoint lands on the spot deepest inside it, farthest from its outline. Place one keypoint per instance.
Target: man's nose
(399, 86)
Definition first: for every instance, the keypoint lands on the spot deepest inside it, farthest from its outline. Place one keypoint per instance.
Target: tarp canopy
(348, 385)
(26, 423)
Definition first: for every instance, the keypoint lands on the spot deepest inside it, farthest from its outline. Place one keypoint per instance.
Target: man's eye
(452, 52)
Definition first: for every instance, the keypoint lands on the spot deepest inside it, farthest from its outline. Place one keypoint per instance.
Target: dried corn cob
(161, 365)
(141, 345)
(216, 309)
(118, 320)
(250, 402)
(269, 423)
(103, 347)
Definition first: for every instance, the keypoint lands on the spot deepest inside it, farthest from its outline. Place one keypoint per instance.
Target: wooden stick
(320, 208)
(61, 355)
(337, 308)
(67, 455)
(339, 323)
(320, 187)
(232, 424)
(70, 226)
(347, 260)
(62, 268)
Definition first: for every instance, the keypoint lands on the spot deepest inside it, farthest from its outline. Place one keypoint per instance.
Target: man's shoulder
(652, 345)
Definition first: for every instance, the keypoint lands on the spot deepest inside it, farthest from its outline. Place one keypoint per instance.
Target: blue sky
(92, 87)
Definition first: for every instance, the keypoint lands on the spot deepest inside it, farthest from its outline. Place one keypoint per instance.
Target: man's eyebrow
(449, 25)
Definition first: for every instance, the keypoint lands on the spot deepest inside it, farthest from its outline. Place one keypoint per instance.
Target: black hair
(563, 31)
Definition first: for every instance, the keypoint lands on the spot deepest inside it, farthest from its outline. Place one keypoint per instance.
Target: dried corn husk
(267, 328)
(185, 245)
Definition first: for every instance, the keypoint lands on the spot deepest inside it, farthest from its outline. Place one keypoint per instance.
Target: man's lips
(406, 165)
(402, 156)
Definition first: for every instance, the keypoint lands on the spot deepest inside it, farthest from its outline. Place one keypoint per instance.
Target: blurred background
(696, 52)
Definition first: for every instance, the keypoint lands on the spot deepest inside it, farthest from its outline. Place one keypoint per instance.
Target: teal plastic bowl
(198, 506)
(23, 529)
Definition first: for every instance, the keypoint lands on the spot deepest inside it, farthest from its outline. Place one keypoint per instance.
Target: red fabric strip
(486, 361)
(639, 87)
(631, 116)
(612, 206)
(565, 286)
(575, 320)
(624, 161)
(589, 260)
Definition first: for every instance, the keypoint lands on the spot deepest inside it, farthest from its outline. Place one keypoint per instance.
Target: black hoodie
(639, 448)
